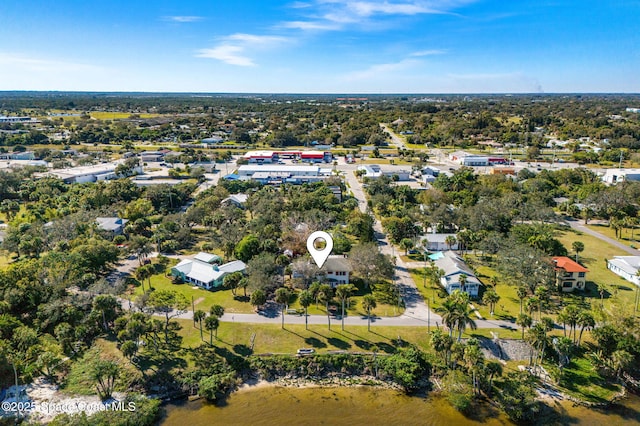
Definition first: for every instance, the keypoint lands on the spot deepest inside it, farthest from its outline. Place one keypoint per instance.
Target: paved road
(395, 139)
(579, 226)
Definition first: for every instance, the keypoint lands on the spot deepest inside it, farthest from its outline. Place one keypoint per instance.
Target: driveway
(579, 226)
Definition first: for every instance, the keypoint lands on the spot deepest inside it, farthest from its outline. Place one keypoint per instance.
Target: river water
(368, 406)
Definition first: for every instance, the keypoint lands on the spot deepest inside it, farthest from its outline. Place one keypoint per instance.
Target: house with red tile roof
(570, 275)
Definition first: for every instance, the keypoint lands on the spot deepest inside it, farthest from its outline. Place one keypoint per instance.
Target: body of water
(368, 406)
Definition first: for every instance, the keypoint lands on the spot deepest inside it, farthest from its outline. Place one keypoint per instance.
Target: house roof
(629, 264)
(337, 263)
(453, 267)
(437, 238)
(207, 257)
(207, 273)
(236, 198)
(110, 223)
(563, 262)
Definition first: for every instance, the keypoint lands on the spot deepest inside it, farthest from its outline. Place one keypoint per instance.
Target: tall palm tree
(490, 298)
(586, 321)
(282, 297)
(474, 360)
(306, 299)
(199, 316)
(522, 293)
(524, 321)
(369, 303)
(493, 368)
(211, 323)
(450, 241)
(325, 294)
(448, 313)
(464, 320)
(343, 292)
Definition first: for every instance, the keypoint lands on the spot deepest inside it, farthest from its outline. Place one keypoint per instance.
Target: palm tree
(199, 316)
(406, 244)
(463, 282)
(325, 294)
(493, 368)
(474, 360)
(578, 247)
(442, 344)
(211, 323)
(369, 303)
(343, 292)
(306, 298)
(464, 320)
(450, 241)
(585, 320)
(524, 321)
(620, 361)
(522, 293)
(490, 298)
(282, 297)
(216, 310)
(142, 274)
(448, 313)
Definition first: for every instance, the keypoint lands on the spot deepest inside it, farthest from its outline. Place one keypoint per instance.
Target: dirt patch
(198, 300)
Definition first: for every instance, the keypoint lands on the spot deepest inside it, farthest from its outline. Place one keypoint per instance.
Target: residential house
(454, 268)
(113, 225)
(438, 242)
(626, 267)
(337, 269)
(237, 200)
(204, 272)
(570, 275)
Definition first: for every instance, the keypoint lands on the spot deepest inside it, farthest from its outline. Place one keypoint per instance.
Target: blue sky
(321, 46)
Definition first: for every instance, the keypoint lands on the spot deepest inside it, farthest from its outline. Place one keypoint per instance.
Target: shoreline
(254, 384)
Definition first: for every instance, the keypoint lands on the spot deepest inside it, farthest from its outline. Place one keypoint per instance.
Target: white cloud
(26, 63)
(183, 19)
(382, 70)
(256, 39)
(236, 48)
(310, 26)
(429, 52)
(227, 53)
(337, 14)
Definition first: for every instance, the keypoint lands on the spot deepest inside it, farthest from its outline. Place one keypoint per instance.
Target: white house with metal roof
(202, 272)
(114, 225)
(626, 267)
(454, 268)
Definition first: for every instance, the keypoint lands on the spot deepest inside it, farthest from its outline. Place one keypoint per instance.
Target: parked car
(306, 351)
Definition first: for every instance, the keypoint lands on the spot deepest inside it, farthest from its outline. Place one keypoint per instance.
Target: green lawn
(621, 293)
(581, 380)
(270, 338)
(203, 298)
(626, 234)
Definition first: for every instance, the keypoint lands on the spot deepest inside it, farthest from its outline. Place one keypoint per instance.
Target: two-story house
(453, 269)
(570, 275)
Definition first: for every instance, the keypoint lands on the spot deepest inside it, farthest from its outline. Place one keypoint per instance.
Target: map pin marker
(320, 255)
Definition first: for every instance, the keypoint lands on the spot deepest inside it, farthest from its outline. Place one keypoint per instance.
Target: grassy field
(620, 293)
(107, 115)
(581, 380)
(270, 338)
(625, 237)
(203, 299)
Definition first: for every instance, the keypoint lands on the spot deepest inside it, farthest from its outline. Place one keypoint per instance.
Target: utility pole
(620, 164)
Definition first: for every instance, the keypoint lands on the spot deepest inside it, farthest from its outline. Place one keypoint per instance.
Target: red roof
(563, 262)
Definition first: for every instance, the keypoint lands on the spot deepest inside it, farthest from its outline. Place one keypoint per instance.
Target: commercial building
(612, 176)
(267, 157)
(277, 174)
(374, 171)
(87, 173)
(472, 160)
(26, 155)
